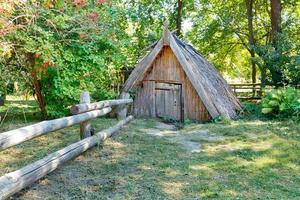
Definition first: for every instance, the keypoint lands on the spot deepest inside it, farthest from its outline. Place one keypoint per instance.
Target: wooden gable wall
(167, 69)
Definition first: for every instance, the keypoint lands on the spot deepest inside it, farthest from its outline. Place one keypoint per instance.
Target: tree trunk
(263, 77)
(249, 5)
(276, 72)
(275, 19)
(37, 88)
(179, 16)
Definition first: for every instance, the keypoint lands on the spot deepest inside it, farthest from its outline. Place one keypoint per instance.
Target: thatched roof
(211, 87)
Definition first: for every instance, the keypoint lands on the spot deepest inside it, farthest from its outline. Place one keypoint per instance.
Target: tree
(226, 34)
(275, 19)
(179, 17)
(64, 47)
(276, 71)
(249, 6)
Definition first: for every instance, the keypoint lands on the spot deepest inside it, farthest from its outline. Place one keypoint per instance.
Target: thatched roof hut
(175, 81)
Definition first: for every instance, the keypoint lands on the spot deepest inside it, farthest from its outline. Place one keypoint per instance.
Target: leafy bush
(251, 110)
(222, 119)
(283, 102)
(63, 48)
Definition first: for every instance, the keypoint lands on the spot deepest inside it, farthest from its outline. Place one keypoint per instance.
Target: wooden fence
(247, 91)
(15, 181)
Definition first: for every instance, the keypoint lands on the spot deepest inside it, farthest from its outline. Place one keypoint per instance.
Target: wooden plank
(167, 86)
(167, 69)
(168, 100)
(247, 91)
(81, 108)
(247, 88)
(122, 109)
(249, 98)
(177, 103)
(160, 103)
(17, 136)
(245, 84)
(144, 102)
(85, 126)
(166, 34)
(140, 70)
(188, 69)
(150, 97)
(178, 82)
(17, 180)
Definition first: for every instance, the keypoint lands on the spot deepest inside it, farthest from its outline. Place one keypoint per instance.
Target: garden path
(189, 140)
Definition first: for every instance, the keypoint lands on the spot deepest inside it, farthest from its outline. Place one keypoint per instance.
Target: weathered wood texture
(138, 72)
(86, 126)
(168, 101)
(122, 109)
(211, 88)
(17, 180)
(144, 102)
(81, 108)
(167, 69)
(166, 33)
(17, 136)
(248, 91)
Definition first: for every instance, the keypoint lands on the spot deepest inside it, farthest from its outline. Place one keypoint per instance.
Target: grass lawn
(256, 159)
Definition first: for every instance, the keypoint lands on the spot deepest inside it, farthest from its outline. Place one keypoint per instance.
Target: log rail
(13, 182)
(247, 91)
(17, 136)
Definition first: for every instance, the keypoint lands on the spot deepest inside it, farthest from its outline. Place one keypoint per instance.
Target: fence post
(122, 109)
(85, 127)
(234, 89)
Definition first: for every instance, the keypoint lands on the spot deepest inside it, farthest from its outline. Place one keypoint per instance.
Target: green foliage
(251, 111)
(220, 31)
(267, 152)
(171, 120)
(75, 48)
(281, 61)
(82, 45)
(283, 102)
(188, 121)
(222, 119)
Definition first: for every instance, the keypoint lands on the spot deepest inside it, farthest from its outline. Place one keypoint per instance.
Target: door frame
(180, 97)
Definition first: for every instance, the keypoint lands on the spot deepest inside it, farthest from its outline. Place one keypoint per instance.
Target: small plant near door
(1, 100)
(222, 119)
(189, 121)
(2, 97)
(171, 120)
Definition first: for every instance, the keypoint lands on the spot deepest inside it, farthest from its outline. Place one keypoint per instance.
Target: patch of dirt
(188, 140)
(193, 147)
(164, 126)
(205, 136)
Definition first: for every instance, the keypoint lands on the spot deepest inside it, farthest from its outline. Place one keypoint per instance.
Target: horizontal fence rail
(250, 91)
(245, 84)
(84, 107)
(17, 136)
(17, 180)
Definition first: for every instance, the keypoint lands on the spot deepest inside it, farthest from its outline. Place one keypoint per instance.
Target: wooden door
(144, 101)
(168, 101)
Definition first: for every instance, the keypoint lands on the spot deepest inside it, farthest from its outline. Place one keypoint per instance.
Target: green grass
(257, 159)
(18, 110)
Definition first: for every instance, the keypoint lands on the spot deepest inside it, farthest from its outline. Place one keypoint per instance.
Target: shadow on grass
(19, 112)
(255, 161)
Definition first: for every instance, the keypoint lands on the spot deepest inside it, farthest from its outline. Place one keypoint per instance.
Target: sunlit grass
(255, 159)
